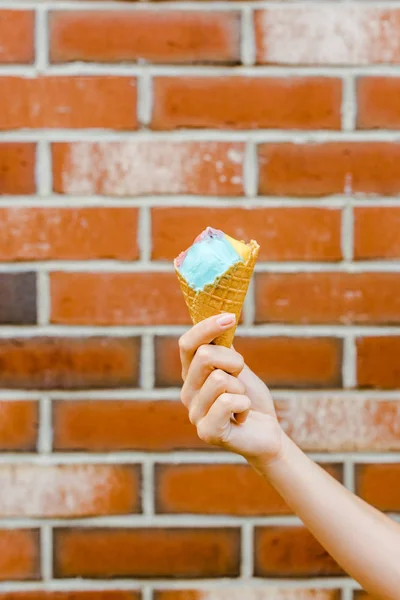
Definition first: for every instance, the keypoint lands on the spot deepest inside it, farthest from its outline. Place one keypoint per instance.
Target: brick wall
(125, 128)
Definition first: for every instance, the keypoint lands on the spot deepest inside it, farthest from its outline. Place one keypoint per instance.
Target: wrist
(264, 462)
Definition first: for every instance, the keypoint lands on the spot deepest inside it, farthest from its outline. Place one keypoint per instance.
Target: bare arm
(362, 540)
(232, 408)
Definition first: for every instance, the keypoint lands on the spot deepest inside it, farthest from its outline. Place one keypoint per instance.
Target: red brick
(117, 298)
(137, 168)
(320, 169)
(75, 595)
(325, 35)
(18, 298)
(238, 593)
(279, 361)
(362, 298)
(376, 232)
(310, 234)
(291, 552)
(378, 102)
(105, 425)
(158, 37)
(218, 490)
(19, 554)
(18, 425)
(16, 34)
(378, 362)
(341, 424)
(17, 168)
(155, 552)
(68, 490)
(247, 102)
(68, 233)
(75, 102)
(69, 363)
(362, 596)
(379, 485)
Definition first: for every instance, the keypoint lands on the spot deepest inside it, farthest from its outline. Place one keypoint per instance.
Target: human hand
(229, 405)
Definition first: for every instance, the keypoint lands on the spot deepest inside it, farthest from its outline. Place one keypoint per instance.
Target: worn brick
(376, 232)
(249, 593)
(68, 490)
(135, 168)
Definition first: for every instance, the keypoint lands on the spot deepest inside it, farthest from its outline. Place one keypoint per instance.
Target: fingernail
(226, 319)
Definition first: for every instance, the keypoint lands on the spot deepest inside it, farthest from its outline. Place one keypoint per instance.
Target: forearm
(362, 540)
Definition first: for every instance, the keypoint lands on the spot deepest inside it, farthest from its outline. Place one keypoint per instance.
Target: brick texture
(167, 553)
(17, 168)
(68, 490)
(256, 593)
(365, 298)
(379, 485)
(75, 595)
(18, 425)
(19, 554)
(70, 102)
(18, 298)
(330, 168)
(376, 233)
(226, 103)
(102, 425)
(69, 363)
(68, 233)
(143, 168)
(16, 34)
(377, 364)
(159, 37)
(117, 298)
(377, 106)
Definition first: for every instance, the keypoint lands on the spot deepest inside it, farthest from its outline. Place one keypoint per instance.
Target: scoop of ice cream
(212, 253)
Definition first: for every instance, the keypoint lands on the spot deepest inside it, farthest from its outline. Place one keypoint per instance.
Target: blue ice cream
(211, 254)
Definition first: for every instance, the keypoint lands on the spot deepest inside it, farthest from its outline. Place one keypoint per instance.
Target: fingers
(216, 426)
(217, 383)
(206, 360)
(203, 333)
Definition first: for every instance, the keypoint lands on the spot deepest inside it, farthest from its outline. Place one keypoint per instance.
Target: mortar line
(250, 171)
(249, 309)
(247, 41)
(349, 368)
(41, 39)
(349, 103)
(45, 425)
(349, 475)
(147, 374)
(145, 99)
(43, 298)
(148, 488)
(46, 552)
(347, 235)
(147, 592)
(44, 175)
(145, 236)
(247, 551)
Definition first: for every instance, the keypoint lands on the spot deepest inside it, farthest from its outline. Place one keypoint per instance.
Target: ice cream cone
(225, 294)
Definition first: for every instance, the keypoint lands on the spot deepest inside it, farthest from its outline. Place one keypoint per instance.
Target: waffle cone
(225, 294)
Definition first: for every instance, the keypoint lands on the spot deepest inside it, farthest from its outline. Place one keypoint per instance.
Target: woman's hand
(229, 405)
